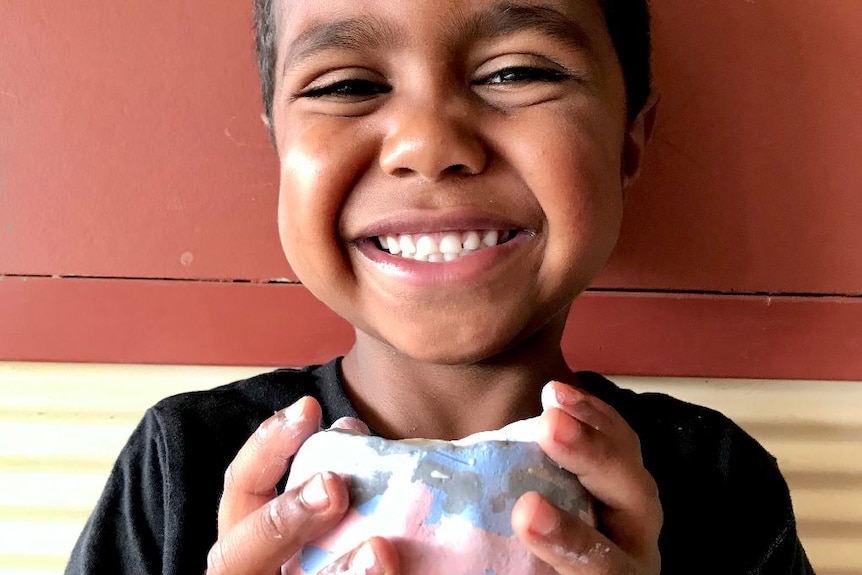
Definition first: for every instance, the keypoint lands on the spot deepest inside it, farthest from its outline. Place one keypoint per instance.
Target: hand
(259, 530)
(589, 438)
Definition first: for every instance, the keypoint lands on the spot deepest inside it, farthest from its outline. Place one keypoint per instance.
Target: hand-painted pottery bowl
(446, 505)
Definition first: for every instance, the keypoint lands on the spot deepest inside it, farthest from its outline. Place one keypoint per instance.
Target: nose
(432, 140)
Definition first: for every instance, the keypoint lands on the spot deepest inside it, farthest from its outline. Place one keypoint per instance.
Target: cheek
(302, 175)
(575, 174)
(317, 175)
(586, 192)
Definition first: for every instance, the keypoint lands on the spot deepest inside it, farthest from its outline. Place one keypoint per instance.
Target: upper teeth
(440, 247)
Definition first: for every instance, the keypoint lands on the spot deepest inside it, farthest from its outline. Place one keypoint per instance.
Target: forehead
(395, 22)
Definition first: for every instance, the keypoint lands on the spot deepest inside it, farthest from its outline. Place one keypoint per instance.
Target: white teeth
(453, 245)
(450, 244)
(425, 246)
(393, 245)
(472, 241)
(490, 238)
(408, 248)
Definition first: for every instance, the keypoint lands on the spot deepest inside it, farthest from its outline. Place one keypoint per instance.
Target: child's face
(423, 117)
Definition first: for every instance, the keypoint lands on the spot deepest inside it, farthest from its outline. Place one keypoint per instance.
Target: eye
(523, 75)
(349, 89)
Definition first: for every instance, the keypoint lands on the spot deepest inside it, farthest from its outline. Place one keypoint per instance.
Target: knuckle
(216, 560)
(652, 495)
(635, 442)
(658, 516)
(275, 521)
(653, 492)
(647, 494)
(651, 507)
(230, 476)
(590, 555)
(258, 439)
(630, 444)
(604, 452)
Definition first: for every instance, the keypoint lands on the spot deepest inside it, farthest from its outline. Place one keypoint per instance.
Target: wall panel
(131, 149)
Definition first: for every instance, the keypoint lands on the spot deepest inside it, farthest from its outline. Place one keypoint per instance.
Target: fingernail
(566, 429)
(292, 413)
(364, 561)
(559, 395)
(314, 494)
(566, 395)
(287, 416)
(545, 519)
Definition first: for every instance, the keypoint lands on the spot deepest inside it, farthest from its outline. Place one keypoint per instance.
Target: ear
(638, 135)
(265, 121)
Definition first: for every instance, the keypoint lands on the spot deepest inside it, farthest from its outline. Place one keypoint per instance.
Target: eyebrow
(499, 20)
(347, 34)
(508, 18)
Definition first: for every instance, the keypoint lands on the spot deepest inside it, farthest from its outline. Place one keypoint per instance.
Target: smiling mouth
(441, 246)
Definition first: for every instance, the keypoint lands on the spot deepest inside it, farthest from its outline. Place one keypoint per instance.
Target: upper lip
(434, 221)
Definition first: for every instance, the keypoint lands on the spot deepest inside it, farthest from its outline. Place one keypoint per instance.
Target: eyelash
(524, 74)
(352, 88)
(348, 89)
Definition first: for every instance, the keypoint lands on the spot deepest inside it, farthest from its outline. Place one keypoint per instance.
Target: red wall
(132, 154)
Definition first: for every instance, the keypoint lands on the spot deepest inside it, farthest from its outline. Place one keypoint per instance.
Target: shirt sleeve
(125, 532)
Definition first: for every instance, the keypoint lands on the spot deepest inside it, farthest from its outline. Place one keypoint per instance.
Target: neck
(400, 397)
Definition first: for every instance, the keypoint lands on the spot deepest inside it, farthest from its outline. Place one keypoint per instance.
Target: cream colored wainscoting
(62, 425)
(814, 429)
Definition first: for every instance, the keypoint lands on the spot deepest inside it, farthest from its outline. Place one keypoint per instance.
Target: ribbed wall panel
(814, 429)
(62, 425)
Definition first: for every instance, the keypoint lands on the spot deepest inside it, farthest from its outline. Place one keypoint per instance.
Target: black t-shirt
(726, 506)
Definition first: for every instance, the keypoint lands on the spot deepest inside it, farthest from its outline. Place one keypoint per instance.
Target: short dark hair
(628, 23)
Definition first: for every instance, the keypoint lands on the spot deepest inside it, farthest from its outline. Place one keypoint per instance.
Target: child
(452, 176)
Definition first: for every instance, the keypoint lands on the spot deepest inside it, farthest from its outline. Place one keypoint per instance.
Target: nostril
(453, 170)
(402, 172)
(459, 169)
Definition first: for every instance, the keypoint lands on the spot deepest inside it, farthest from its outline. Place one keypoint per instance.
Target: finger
(269, 536)
(251, 478)
(631, 512)
(352, 424)
(590, 439)
(377, 556)
(594, 442)
(607, 469)
(590, 410)
(604, 467)
(565, 542)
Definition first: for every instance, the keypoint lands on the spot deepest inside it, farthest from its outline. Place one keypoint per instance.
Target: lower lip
(467, 269)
